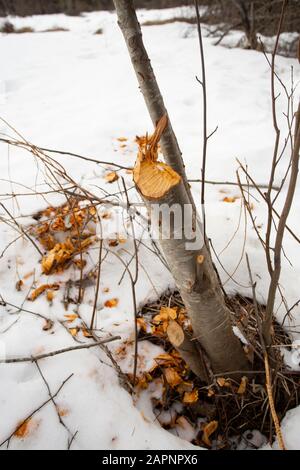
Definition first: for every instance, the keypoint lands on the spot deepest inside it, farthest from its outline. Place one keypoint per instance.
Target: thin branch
(7, 440)
(59, 351)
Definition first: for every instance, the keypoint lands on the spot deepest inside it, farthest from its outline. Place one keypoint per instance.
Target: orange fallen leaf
(208, 430)
(142, 324)
(39, 290)
(31, 273)
(105, 215)
(172, 377)
(47, 241)
(19, 285)
(113, 243)
(63, 412)
(71, 317)
(86, 333)
(111, 303)
(56, 257)
(243, 386)
(50, 295)
(190, 397)
(58, 225)
(122, 139)
(24, 428)
(229, 199)
(80, 263)
(111, 177)
(166, 313)
(222, 382)
(73, 331)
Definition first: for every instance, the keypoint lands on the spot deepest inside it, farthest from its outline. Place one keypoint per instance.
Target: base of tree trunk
(244, 404)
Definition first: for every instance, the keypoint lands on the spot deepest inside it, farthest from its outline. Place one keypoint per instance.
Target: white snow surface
(76, 91)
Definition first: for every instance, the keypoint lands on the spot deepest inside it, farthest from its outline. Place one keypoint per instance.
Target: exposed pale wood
(187, 349)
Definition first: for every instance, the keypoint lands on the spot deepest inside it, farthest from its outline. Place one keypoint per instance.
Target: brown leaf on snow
(172, 377)
(23, 429)
(50, 295)
(19, 285)
(47, 241)
(48, 325)
(190, 397)
(230, 199)
(73, 331)
(142, 324)
(58, 225)
(71, 317)
(111, 177)
(86, 333)
(56, 257)
(39, 290)
(166, 313)
(208, 430)
(111, 303)
(122, 139)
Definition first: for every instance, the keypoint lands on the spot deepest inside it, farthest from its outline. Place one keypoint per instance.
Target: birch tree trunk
(190, 265)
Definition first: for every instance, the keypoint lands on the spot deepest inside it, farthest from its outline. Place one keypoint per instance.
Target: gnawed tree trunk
(164, 186)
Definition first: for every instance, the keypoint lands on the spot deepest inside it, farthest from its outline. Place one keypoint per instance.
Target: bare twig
(7, 440)
(59, 351)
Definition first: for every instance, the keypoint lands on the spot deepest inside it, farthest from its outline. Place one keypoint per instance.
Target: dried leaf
(111, 303)
(48, 325)
(113, 243)
(208, 430)
(111, 177)
(19, 285)
(47, 241)
(122, 139)
(39, 290)
(23, 429)
(80, 263)
(142, 324)
(73, 331)
(58, 225)
(190, 397)
(229, 199)
(63, 412)
(166, 313)
(56, 257)
(86, 333)
(172, 377)
(71, 317)
(221, 381)
(50, 295)
(243, 386)
(105, 215)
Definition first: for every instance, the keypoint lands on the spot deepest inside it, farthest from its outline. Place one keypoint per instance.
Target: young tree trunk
(164, 187)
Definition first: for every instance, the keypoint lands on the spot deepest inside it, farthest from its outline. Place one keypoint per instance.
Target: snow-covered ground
(76, 91)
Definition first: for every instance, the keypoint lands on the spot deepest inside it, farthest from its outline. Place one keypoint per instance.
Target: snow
(76, 91)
